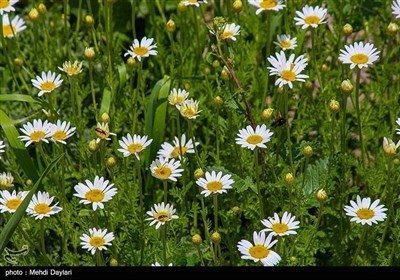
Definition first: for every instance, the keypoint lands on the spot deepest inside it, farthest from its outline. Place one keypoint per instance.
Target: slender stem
(92, 88)
(135, 107)
(133, 18)
(390, 196)
(165, 191)
(289, 141)
(42, 244)
(141, 205)
(364, 234)
(200, 255)
(215, 198)
(164, 242)
(190, 127)
(357, 90)
(99, 258)
(269, 32)
(257, 177)
(66, 35)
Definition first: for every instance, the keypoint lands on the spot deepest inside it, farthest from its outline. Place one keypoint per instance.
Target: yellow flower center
(162, 216)
(42, 208)
(254, 139)
(95, 195)
(214, 186)
(288, 75)
(59, 135)
(4, 4)
(188, 112)
(227, 34)
(259, 252)
(163, 172)
(36, 136)
(176, 151)
(312, 19)
(280, 228)
(178, 99)
(365, 213)
(13, 203)
(72, 70)
(8, 30)
(268, 4)
(141, 51)
(102, 132)
(286, 44)
(97, 241)
(359, 58)
(135, 148)
(48, 86)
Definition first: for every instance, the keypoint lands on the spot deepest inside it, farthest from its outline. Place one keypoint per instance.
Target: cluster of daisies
(11, 26)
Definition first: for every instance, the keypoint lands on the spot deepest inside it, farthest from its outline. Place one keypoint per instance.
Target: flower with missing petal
(161, 213)
(36, 132)
(96, 193)
(390, 147)
(97, 239)
(281, 227)
(6, 6)
(103, 132)
(311, 16)
(178, 149)
(6, 180)
(13, 27)
(39, 207)
(177, 96)
(194, 2)
(230, 30)
(143, 49)
(133, 145)
(267, 5)
(250, 138)
(189, 109)
(215, 183)
(359, 55)
(285, 42)
(364, 212)
(260, 251)
(71, 69)
(166, 169)
(61, 131)
(47, 83)
(9, 202)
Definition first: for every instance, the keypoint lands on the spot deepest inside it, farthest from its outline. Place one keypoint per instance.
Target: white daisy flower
(158, 264)
(250, 138)
(280, 227)
(229, 32)
(174, 151)
(161, 213)
(11, 28)
(36, 132)
(311, 16)
(390, 147)
(2, 146)
(260, 251)
(396, 8)
(6, 180)
(214, 183)
(103, 132)
(142, 49)
(133, 145)
(359, 55)
(97, 239)
(285, 42)
(9, 202)
(71, 69)
(364, 212)
(176, 97)
(6, 6)
(190, 109)
(164, 169)
(47, 83)
(39, 207)
(288, 70)
(267, 5)
(62, 131)
(194, 2)
(96, 193)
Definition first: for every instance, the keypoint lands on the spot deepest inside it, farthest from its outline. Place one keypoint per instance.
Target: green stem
(215, 198)
(364, 234)
(66, 35)
(200, 255)
(390, 197)
(92, 88)
(190, 127)
(264, 98)
(257, 177)
(42, 244)
(141, 205)
(164, 242)
(135, 107)
(357, 90)
(99, 258)
(165, 191)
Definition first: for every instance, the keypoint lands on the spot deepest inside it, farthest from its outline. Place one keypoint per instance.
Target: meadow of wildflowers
(199, 133)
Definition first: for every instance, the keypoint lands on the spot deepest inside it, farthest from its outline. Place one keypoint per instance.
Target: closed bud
(42, 8)
(18, 61)
(33, 14)
(181, 7)
(196, 239)
(28, 182)
(396, 161)
(113, 262)
(267, 114)
(186, 85)
(105, 118)
(393, 28)
(347, 29)
(216, 237)
(89, 53)
(309, 85)
(218, 100)
(131, 62)
(93, 146)
(289, 179)
(236, 210)
(198, 173)
(324, 68)
(89, 20)
(280, 90)
(225, 74)
(346, 87)
(334, 106)
(215, 63)
(322, 196)
(171, 26)
(237, 6)
(111, 162)
(206, 70)
(307, 151)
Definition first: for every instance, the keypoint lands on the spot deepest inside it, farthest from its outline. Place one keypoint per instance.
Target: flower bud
(198, 173)
(236, 210)
(215, 64)
(218, 100)
(181, 7)
(171, 26)
(196, 239)
(186, 85)
(393, 28)
(206, 70)
(225, 74)
(90, 54)
(131, 62)
(346, 87)
(18, 61)
(309, 85)
(307, 151)
(347, 29)
(334, 106)
(113, 262)
(237, 6)
(280, 90)
(396, 161)
(33, 14)
(105, 118)
(93, 146)
(28, 182)
(216, 237)
(324, 68)
(322, 196)
(111, 162)
(267, 114)
(289, 179)
(42, 8)
(89, 20)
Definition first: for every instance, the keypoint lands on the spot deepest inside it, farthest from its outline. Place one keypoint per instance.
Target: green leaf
(23, 158)
(122, 75)
(315, 176)
(106, 101)
(18, 97)
(12, 224)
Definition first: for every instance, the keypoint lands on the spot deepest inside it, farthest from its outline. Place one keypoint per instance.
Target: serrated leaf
(315, 176)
